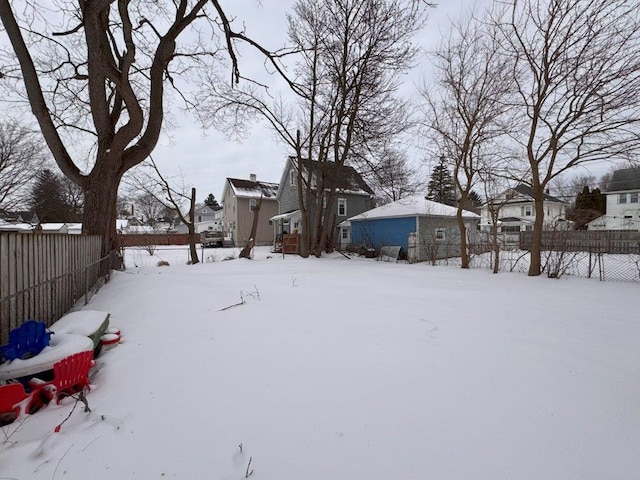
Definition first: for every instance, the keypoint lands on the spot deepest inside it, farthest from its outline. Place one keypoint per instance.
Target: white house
(623, 205)
(517, 213)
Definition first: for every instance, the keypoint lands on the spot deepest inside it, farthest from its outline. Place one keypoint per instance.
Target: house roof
(250, 189)
(416, 205)
(22, 216)
(624, 179)
(344, 178)
(528, 191)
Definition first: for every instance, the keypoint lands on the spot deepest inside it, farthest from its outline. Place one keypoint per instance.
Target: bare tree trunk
(191, 226)
(246, 251)
(462, 229)
(535, 255)
(100, 195)
(495, 245)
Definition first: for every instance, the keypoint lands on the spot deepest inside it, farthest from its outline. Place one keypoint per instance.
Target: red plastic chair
(70, 376)
(14, 402)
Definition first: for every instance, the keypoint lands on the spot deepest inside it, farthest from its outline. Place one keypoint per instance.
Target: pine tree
(441, 187)
(48, 200)
(211, 201)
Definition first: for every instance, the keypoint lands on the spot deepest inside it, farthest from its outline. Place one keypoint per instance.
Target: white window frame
(622, 198)
(292, 177)
(527, 210)
(633, 197)
(440, 234)
(342, 207)
(253, 203)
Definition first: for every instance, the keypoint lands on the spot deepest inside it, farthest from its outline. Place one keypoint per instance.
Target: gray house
(425, 230)
(353, 195)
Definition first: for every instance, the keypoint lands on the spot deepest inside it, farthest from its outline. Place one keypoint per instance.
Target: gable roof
(528, 191)
(415, 205)
(344, 178)
(624, 179)
(250, 189)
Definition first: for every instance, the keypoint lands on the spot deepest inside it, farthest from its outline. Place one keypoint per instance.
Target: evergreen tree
(211, 201)
(474, 201)
(441, 187)
(590, 204)
(48, 198)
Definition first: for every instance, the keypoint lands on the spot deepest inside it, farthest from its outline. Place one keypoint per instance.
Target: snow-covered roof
(412, 206)
(52, 227)
(251, 189)
(16, 227)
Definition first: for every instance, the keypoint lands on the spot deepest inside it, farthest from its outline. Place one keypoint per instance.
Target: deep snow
(348, 369)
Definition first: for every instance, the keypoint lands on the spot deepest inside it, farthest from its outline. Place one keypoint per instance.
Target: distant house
(517, 212)
(240, 198)
(15, 227)
(623, 205)
(19, 217)
(52, 228)
(425, 230)
(76, 228)
(353, 195)
(206, 219)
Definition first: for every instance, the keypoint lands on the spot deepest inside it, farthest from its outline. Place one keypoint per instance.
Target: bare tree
(350, 57)
(466, 115)
(391, 176)
(98, 69)
(577, 78)
(167, 194)
(149, 204)
(246, 250)
(21, 156)
(494, 181)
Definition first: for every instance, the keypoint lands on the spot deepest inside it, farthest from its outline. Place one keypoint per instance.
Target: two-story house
(516, 211)
(240, 198)
(206, 219)
(353, 195)
(623, 202)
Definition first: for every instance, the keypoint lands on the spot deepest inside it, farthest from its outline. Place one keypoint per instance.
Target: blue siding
(381, 232)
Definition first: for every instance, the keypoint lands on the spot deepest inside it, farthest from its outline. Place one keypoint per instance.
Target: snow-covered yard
(348, 369)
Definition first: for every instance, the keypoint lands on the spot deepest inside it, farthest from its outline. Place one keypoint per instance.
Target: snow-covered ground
(348, 369)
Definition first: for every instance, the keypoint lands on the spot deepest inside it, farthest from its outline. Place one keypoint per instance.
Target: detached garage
(425, 230)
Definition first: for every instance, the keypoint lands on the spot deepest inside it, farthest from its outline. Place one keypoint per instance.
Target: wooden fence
(148, 239)
(593, 241)
(43, 275)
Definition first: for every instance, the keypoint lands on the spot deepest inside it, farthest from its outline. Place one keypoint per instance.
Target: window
(510, 229)
(292, 177)
(345, 234)
(252, 204)
(440, 234)
(526, 211)
(296, 226)
(199, 218)
(342, 207)
(622, 198)
(634, 197)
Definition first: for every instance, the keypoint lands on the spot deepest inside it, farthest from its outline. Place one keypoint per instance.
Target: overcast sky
(206, 162)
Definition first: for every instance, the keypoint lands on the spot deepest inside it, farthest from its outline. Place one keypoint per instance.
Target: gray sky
(205, 162)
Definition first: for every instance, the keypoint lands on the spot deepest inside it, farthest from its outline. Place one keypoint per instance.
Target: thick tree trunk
(100, 207)
(535, 255)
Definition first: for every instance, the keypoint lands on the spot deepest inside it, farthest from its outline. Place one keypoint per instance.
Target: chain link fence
(604, 255)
